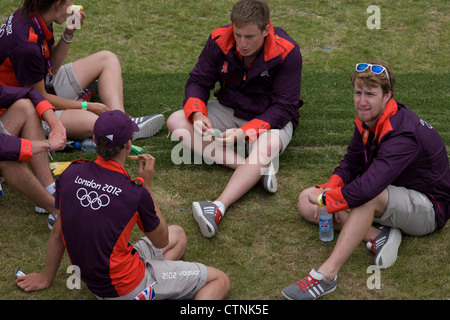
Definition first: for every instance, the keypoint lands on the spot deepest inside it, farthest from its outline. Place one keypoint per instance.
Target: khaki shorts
(174, 280)
(223, 118)
(66, 84)
(410, 211)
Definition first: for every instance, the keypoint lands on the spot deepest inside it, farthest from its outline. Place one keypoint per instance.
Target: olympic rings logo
(92, 199)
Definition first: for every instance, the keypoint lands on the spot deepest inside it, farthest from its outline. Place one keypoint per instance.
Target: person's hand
(201, 123)
(33, 282)
(57, 138)
(230, 136)
(97, 108)
(146, 168)
(313, 196)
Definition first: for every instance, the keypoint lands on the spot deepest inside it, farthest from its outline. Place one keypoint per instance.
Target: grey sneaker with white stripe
(148, 125)
(385, 246)
(311, 287)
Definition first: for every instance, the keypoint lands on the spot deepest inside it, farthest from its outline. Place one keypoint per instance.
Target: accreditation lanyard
(46, 36)
(365, 136)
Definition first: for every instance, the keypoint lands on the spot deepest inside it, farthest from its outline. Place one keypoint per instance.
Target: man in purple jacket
(258, 68)
(22, 140)
(396, 173)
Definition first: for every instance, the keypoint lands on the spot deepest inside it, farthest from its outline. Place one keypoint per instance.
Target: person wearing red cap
(99, 205)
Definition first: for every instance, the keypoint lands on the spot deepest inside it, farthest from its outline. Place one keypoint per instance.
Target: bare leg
(105, 67)
(247, 172)
(18, 176)
(246, 175)
(21, 120)
(177, 243)
(355, 229)
(79, 124)
(217, 286)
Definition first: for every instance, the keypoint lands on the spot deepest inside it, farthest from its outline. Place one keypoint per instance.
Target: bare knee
(269, 146)
(177, 234)
(176, 120)
(26, 107)
(305, 208)
(220, 280)
(109, 57)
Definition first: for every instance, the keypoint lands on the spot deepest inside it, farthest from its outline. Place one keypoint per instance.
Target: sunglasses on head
(375, 68)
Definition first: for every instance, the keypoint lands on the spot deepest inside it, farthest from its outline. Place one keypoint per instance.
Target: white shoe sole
(151, 127)
(388, 254)
(269, 180)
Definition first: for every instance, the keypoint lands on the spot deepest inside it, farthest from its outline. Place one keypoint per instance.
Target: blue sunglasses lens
(361, 67)
(377, 69)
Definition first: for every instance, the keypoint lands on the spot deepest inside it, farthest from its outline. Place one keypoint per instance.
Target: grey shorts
(3, 130)
(174, 280)
(410, 211)
(66, 84)
(223, 118)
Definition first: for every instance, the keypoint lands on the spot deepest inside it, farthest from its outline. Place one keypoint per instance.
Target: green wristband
(83, 105)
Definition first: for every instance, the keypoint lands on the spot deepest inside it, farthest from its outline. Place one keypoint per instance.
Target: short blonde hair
(251, 12)
(372, 80)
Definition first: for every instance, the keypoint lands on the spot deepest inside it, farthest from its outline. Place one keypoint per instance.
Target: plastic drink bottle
(326, 232)
(87, 145)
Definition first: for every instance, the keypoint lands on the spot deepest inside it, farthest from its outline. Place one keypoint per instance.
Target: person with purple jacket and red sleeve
(395, 173)
(22, 140)
(258, 67)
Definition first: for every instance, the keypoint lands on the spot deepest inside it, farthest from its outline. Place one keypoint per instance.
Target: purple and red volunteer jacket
(401, 150)
(267, 93)
(98, 206)
(22, 50)
(13, 148)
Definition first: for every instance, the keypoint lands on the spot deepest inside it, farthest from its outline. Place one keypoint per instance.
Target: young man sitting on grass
(395, 173)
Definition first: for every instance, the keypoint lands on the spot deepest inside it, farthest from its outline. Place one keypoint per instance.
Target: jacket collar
(274, 45)
(111, 165)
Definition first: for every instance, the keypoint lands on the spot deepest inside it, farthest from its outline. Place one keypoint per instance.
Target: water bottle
(87, 145)
(326, 232)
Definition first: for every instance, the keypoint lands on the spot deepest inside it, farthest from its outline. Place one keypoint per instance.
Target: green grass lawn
(262, 244)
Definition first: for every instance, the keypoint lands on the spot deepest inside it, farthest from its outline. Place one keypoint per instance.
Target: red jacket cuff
(334, 182)
(25, 150)
(254, 127)
(194, 105)
(335, 201)
(43, 106)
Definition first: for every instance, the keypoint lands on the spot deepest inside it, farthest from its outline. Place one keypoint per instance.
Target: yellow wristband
(319, 200)
(83, 105)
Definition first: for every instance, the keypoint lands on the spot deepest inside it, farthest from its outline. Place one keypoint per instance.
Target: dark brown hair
(33, 6)
(105, 151)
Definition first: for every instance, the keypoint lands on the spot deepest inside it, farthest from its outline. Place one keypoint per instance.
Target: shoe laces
(217, 214)
(307, 282)
(372, 245)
